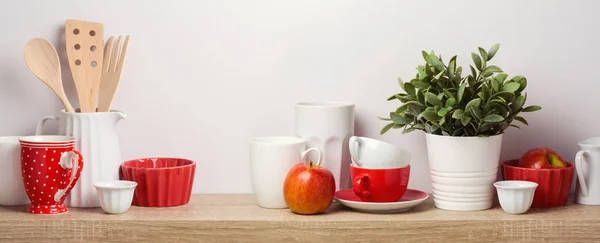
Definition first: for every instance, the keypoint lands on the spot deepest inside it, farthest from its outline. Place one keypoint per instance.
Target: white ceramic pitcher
(587, 165)
(97, 140)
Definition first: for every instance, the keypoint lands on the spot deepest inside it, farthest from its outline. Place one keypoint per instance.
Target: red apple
(308, 188)
(541, 158)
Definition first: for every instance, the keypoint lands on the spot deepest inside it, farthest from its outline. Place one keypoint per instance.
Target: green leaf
(421, 97)
(473, 103)
(386, 128)
(401, 83)
(452, 67)
(442, 121)
(461, 92)
(430, 128)
(492, 51)
(495, 86)
(398, 119)
(419, 126)
(473, 72)
(532, 108)
(493, 69)
(450, 102)
(522, 82)
(515, 126)
(410, 89)
(522, 120)
(403, 97)
(407, 130)
(483, 53)
(465, 120)
(435, 62)
(384, 118)
(493, 118)
(501, 77)
(448, 94)
(508, 96)
(477, 61)
(420, 84)
(433, 99)
(476, 111)
(422, 73)
(497, 103)
(484, 127)
(437, 76)
(511, 87)
(458, 114)
(430, 115)
(518, 103)
(442, 112)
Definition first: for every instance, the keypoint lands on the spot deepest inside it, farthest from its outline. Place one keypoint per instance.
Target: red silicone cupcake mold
(162, 182)
(554, 185)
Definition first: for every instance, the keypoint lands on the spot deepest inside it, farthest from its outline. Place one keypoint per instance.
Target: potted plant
(464, 119)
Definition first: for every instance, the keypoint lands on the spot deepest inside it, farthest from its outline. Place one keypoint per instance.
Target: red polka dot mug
(50, 168)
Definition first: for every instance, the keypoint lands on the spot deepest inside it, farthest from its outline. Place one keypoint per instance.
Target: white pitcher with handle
(97, 140)
(587, 165)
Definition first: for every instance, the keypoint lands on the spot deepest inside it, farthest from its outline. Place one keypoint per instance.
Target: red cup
(50, 169)
(554, 185)
(379, 185)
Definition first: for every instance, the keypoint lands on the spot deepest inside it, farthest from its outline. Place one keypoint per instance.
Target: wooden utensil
(85, 45)
(114, 57)
(42, 60)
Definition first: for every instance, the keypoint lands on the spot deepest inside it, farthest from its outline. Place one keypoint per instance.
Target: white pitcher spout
(120, 115)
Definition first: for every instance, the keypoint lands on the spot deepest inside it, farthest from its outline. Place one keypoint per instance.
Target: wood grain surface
(236, 218)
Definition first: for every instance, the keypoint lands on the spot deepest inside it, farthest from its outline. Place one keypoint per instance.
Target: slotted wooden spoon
(42, 60)
(85, 45)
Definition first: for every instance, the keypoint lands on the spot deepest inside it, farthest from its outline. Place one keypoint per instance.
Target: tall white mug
(587, 165)
(12, 192)
(328, 126)
(271, 158)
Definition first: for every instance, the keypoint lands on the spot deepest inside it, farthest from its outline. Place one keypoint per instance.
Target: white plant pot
(463, 171)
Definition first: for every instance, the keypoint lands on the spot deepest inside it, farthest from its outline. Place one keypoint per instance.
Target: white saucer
(410, 199)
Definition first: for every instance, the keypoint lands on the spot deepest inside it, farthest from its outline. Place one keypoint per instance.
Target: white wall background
(202, 77)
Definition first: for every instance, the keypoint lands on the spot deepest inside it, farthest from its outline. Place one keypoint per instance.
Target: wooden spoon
(85, 45)
(42, 60)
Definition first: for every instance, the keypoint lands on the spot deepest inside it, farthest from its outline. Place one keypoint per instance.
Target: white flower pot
(463, 170)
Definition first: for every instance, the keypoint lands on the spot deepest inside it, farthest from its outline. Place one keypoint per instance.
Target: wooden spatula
(85, 45)
(42, 60)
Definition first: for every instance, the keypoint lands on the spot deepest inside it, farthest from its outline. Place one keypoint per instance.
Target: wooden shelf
(236, 218)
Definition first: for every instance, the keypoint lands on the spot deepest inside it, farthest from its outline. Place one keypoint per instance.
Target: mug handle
(66, 162)
(578, 166)
(353, 141)
(362, 187)
(303, 156)
(40, 125)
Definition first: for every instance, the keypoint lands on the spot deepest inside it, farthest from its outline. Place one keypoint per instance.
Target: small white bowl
(115, 196)
(515, 196)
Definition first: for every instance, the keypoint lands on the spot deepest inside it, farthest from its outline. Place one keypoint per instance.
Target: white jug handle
(578, 166)
(353, 148)
(315, 150)
(40, 125)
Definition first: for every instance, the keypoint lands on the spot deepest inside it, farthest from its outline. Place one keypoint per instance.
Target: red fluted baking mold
(554, 185)
(162, 182)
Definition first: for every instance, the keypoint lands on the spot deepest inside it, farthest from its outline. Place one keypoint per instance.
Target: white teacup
(374, 154)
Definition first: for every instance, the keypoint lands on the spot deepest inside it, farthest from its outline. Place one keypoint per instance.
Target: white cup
(115, 196)
(271, 158)
(515, 197)
(374, 154)
(12, 192)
